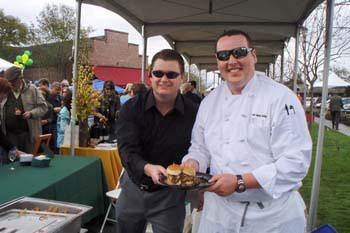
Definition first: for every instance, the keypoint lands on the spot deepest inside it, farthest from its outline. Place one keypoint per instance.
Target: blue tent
(98, 86)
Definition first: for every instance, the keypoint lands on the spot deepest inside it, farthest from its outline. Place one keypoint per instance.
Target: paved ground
(342, 128)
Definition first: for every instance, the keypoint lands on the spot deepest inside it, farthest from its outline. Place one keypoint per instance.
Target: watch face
(241, 188)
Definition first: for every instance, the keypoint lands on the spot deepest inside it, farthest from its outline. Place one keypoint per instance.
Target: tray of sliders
(185, 177)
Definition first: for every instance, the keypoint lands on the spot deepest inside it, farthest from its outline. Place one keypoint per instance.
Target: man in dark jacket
(335, 106)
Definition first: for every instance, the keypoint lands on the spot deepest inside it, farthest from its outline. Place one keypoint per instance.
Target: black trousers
(22, 140)
(335, 119)
(164, 209)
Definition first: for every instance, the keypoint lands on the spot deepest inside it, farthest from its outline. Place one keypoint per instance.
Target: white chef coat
(263, 131)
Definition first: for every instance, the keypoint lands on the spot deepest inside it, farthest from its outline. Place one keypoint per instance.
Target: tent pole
(144, 53)
(75, 75)
(189, 69)
(318, 162)
(274, 70)
(296, 58)
(282, 63)
(206, 79)
(200, 79)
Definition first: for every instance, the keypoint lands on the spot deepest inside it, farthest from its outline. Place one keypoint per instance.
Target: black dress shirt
(144, 135)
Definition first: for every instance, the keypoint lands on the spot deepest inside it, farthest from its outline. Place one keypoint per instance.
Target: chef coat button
(227, 142)
(227, 119)
(241, 140)
(243, 115)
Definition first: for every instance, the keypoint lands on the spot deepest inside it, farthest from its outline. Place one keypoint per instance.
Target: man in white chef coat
(251, 131)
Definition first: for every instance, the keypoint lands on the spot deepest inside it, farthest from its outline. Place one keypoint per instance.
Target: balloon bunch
(24, 60)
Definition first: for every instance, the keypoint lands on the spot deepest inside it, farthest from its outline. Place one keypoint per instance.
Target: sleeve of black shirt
(128, 139)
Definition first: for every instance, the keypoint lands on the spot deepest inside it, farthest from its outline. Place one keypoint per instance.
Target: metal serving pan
(63, 217)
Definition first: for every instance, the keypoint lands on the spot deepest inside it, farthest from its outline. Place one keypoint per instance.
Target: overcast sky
(96, 17)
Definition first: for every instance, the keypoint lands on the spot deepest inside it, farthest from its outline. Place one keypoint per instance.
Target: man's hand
(44, 122)
(225, 184)
(193, 163)
(154, 171)
(27, 115)
(57, 109)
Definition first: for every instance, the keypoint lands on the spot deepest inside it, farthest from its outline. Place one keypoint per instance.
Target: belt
(150, 188)
(247, 203)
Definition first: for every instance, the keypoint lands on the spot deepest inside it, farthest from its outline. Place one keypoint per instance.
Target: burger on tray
(182, 175)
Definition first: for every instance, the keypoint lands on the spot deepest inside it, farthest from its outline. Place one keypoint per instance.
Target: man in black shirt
(154, 131)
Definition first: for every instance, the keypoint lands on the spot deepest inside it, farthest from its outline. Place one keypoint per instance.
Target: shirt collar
(249, 88)
(151, 102)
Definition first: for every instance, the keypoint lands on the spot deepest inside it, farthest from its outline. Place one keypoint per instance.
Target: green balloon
(29, 62)
(27, 52)
(19, 58)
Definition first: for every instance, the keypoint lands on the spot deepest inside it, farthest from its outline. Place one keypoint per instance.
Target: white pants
(284, 215)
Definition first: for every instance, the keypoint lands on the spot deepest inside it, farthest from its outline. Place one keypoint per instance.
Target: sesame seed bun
(174, 170)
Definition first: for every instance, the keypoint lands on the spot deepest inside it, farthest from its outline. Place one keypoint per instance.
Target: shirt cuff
(266, 177)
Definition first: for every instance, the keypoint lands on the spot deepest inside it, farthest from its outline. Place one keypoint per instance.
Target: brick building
(116, 59)
(112, 55)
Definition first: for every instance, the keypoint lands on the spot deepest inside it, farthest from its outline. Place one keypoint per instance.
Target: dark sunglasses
(169, 75)
(108, 89)
(237, 53)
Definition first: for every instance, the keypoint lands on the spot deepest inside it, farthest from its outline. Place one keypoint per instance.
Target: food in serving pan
(182, 175)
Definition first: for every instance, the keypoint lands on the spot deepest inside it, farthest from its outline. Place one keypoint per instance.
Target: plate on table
(203, 177)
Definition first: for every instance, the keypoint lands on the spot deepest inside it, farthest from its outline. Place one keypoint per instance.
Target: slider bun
(188, 170)
(174, 170)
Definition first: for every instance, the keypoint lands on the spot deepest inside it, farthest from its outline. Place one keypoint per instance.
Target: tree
(56, 28)
(12, 31)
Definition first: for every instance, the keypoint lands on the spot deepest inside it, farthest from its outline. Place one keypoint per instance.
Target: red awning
(120, 76)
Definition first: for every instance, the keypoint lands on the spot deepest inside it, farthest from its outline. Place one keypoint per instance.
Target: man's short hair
(44, 81)
(234, 32)
(193, 83)
(13, 73)
(138, 88)
(168, 55)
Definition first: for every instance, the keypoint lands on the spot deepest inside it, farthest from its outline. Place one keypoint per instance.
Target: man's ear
(254, 56)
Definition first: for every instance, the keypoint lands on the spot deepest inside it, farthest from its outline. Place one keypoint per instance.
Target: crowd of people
(249, 133)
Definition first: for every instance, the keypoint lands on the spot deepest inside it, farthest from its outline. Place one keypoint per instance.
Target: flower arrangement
(86, 97)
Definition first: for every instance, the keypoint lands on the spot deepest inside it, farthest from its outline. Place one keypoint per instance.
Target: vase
(84, 134)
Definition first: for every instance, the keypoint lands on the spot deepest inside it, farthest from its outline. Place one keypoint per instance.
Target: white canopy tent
(4, 65)
(333, 81)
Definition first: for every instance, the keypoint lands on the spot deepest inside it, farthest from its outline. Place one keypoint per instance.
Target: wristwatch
(240, 184)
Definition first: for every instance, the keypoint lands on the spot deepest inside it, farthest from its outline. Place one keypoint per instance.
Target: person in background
(65, 92)
(64, 84)
(194, 90)
(109, 107)
(138, 88)
(44, 83)
(154, 131)
(63, 119)
(55, 99)
(48, 118)
(5, 144)
(186, 91)
(335, 106)
(252, 133)
(127, 94)
(21, 110)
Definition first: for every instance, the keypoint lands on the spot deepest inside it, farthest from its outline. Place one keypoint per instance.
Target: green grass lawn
(334, 197)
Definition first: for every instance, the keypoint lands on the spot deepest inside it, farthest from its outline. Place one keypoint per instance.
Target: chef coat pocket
(259, 133)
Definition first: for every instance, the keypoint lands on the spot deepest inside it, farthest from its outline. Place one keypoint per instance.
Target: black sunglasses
(108, 89)
(237, 53)
(169, 75)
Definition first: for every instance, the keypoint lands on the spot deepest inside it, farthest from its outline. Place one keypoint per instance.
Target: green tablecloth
(73, 179)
